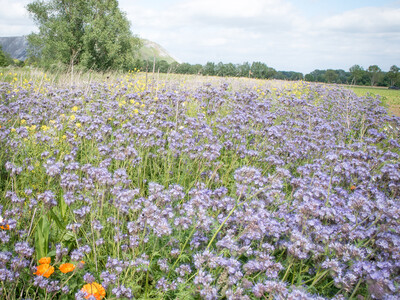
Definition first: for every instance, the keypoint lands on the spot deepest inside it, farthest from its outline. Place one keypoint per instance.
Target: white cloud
(366, 19)
(280, 33)
(237, 9)
(14, 19)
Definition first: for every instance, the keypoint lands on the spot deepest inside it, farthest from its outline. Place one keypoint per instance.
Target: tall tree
(259, 70)
(209, 69)
(94, 34)
(244, 69)
(331, 76)
(356, 73)
(374, 73)
(394, 74)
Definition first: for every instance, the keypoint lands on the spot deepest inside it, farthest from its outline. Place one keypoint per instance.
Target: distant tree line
(357, 75)
(253, 70)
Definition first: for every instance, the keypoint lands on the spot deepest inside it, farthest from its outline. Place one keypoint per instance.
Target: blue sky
(297, 35)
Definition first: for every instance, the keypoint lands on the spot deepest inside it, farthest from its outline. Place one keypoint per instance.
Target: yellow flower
(23, 121)
(94, 289)
(13, 130)
(44, 270)
(44, 260)
(135, 111)
(33, 127)
(78, 125)
(67, 267)
(44, 128)
(75, 108)
(72, 117)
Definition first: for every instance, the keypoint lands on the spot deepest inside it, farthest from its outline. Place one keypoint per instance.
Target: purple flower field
(208, 192)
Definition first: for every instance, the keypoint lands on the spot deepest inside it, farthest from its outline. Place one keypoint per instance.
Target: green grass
(389, 98)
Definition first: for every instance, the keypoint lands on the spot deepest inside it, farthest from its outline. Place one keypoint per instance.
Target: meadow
(146, 186)
(389, 98)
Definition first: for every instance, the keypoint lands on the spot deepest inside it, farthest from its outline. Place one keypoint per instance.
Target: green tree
(309, 77)
(374, 73)
(195, 69)
(244, 69)
(394, 75)
(162, 66)
(319, 75)
(356, 73)
(94, 34)
(220, 69)
(3, 58)
(209, 69)
(331, 76)
(259, 70)
(230, 70)
(183, 68)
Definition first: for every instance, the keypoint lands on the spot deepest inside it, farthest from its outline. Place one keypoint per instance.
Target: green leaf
(42, 237)
(63, 208)
(68, 236)
(55, 218)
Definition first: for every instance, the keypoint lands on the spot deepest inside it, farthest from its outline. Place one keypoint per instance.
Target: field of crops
(139, 187)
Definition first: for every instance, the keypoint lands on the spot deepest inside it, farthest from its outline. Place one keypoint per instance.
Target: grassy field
(150, 186)
(390, 98)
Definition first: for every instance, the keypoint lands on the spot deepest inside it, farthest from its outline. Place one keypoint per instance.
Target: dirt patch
(395, 109)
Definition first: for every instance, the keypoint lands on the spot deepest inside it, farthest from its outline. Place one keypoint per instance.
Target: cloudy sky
(296, 35)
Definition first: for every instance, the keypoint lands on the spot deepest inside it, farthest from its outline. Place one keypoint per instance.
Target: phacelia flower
(94, 289)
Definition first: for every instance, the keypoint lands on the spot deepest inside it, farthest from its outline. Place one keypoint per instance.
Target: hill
(16, 46)
(150, 49)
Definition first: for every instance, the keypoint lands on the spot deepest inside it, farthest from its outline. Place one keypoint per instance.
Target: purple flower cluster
(213, 192)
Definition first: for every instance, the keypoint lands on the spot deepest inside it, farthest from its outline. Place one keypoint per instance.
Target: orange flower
(67, 267)
(44, 260)
(353, 187)
(6, 227)
(94, 289)
(44, 270)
